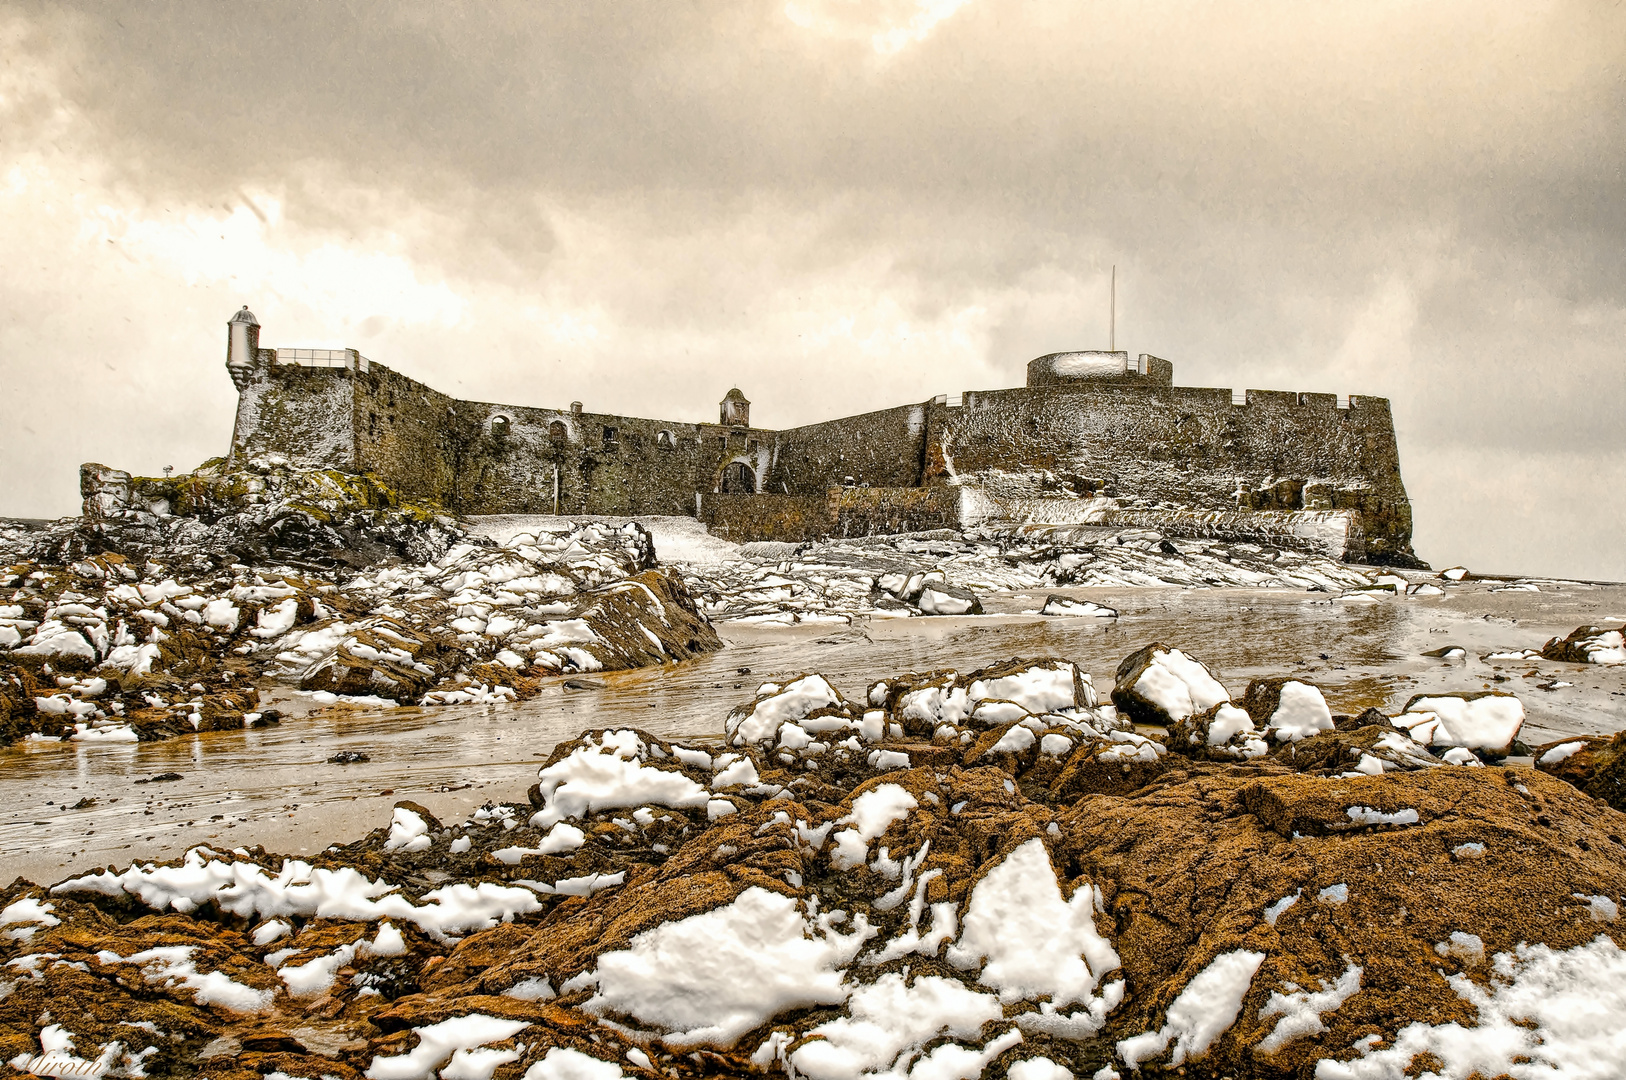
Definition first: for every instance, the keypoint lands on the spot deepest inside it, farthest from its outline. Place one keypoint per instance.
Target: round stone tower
(242, 346)
(735, 411)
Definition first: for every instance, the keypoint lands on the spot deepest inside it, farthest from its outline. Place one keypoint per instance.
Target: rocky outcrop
(180, 599)
(946, 875)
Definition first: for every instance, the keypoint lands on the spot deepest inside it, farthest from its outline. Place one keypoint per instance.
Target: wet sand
(274, 786)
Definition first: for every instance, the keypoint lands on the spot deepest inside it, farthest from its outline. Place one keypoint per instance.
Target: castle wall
(1183, 447)
(305, 414)
(505, 460)
(403, 433)
(880, 449)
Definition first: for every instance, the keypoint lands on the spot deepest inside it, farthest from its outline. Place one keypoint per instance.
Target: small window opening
(609, 435)
(499, 427)
(557, 432)
(664, 440)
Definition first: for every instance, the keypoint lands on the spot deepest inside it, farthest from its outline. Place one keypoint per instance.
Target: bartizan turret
(242, 346)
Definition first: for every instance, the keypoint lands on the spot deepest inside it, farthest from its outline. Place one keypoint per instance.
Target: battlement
(1090, 429)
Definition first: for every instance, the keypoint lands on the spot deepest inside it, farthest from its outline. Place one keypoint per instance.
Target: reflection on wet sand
(274, 786)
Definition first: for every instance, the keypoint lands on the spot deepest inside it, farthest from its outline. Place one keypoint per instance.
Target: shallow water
(274, 787)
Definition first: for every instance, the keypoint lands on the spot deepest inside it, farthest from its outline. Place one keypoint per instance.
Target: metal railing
(324, 358)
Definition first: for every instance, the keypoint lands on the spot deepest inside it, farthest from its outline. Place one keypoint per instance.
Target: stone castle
(1094, 438)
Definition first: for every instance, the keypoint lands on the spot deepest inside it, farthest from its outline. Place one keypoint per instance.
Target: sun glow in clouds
(889, 27)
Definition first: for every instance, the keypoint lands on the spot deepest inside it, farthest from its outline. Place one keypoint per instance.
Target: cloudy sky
(836, 205)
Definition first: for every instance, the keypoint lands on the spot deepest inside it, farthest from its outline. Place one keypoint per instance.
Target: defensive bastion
(1093, 439)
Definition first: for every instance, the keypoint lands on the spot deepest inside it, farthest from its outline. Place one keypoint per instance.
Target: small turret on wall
(242, 346)
(1099, 368)
(734, 410)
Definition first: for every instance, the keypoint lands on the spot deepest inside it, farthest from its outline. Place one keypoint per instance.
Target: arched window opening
(499, 427)
(664, 440)
(557, 432)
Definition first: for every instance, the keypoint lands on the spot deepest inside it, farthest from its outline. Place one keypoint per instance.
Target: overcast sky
(835, 205)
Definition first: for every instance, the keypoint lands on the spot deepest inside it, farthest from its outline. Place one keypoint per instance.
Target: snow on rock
(1488, 721)
(1029, 941)
(408, 830)
(243, 888)
(941, 598)
(1223, 732)
(1288, 709)
(29, 909)
(889, 1018)
(1366, 815)
(173, 966)
(1465, 947)
(1064, 605)
(873, 812)
(1545, 1012)
(800, 700)
(1301, 1010)
(612, 770)
(817, 908)
(712, 977)
(1038, 1068)
(1561, 752)
(1039, 686)
(1160, 685)
(442, 1043)
(478, 624)
(1204, 1010)
(563, 1063)
(887, 575)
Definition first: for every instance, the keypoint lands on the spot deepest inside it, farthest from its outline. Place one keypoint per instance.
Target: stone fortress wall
(1094, 438)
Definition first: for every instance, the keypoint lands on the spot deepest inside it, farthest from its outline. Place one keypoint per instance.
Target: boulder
(941, 598)
(1160, 686)
(1066, 605)
(1290, 709)
(1484, 721)
(1222, 732)
(1361, 751)
(1595, 764)
(1589, 645)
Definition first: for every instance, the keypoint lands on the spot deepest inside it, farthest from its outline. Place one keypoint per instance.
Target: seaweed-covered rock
(140, 648)
(1589, 645)
(1596, 765)
(699, 910)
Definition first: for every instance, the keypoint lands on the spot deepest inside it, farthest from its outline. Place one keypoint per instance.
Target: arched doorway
(738, 479)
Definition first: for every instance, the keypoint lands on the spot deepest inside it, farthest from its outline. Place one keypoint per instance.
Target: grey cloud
(1259, 171)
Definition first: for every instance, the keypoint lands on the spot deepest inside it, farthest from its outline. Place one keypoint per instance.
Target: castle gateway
(1094, 438)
